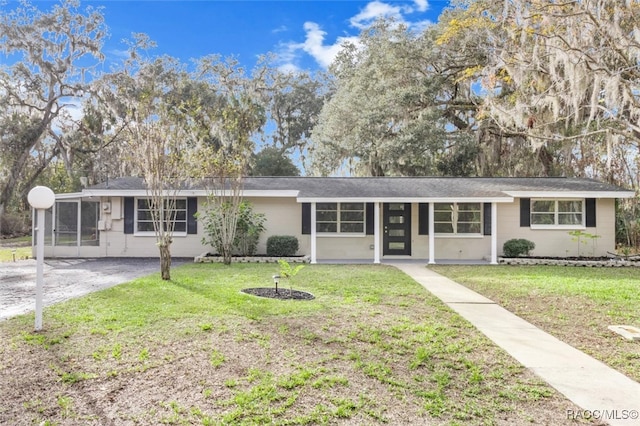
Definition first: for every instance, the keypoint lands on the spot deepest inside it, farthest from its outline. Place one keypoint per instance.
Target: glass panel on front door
(396, 218)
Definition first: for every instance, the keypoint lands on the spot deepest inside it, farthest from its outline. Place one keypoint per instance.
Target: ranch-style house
(368, 219)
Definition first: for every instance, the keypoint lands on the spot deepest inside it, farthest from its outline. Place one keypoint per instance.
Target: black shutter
(129, 212)
(590, 212)
(306, 218)
(192, 209)
(487, 219)
(525, 211)
(423, 219)
(369, 218)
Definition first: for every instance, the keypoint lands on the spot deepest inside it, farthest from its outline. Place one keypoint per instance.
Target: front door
(397, 229)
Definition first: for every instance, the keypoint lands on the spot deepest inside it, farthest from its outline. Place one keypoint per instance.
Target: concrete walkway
(603, 392)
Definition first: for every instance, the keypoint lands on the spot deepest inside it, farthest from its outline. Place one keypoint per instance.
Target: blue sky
(304, 34)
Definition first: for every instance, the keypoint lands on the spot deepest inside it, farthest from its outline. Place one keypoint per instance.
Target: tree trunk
(226, 255)
(165, 261)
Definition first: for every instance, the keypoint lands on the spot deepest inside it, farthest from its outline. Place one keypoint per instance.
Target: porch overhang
(572, 194)
(413, 200)
(430, 201)
(187, 193)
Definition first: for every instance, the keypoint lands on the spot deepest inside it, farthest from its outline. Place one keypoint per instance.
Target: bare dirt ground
(350, 367)
(66, 279)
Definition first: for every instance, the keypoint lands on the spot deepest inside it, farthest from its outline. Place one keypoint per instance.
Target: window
(346, 218)
(67, 224)
(457, 218)
(561, 213)
(144, 215)
(66, 227)
(89, 216)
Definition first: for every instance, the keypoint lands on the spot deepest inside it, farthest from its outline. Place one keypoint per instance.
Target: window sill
(559, 227)
(153, 234)
(460, 236)
(338, 235)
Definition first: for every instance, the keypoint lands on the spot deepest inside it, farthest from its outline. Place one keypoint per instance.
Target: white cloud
(324, 54)
(374, 11)
(422, 5)
(119, 53)
(289, 68)
(314, 44)
(280, 29)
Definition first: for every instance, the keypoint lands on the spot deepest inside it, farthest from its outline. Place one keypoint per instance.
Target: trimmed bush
(517, 247)
(282, 245)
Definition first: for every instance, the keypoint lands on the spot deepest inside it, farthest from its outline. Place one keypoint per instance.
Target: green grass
(15, 249)
(9, 254)
(573, 303)
(372, 348)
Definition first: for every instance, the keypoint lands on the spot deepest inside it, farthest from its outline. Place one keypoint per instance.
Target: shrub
(282, 245)
(248, 229)
(517, 247)
(249, 226)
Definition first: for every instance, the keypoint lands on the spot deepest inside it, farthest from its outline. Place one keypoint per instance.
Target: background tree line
(517, 88)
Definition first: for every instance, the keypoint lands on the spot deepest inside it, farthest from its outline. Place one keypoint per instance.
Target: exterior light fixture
(40, 198)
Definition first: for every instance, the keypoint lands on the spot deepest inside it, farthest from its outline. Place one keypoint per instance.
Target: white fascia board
(69, 195)
(114, 193)
(571, 194)
(286, 193)
(407, 200)
(185, 193)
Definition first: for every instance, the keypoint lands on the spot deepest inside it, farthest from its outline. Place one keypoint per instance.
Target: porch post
(376, 232)
(313, 232)
(79, 228)
(494, 233)
(432, 238)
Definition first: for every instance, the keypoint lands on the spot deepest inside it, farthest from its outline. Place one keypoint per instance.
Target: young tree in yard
(224, 186)
(145, 97)
(221, 132)
(54, 52)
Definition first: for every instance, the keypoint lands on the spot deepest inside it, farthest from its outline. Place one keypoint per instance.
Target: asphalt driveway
(66, 279)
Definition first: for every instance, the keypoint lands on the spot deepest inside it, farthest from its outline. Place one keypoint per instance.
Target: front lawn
(15, 249)
(574, 304)
(14, 254)
(372, 348)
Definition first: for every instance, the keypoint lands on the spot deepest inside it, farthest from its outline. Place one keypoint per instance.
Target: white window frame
(556, 214)
(339, 220)
(454, 221)
(137, 232)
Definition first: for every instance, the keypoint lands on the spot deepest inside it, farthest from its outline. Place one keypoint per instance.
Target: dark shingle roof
(404, 187)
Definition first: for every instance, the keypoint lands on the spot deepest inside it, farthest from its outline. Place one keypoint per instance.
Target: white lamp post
(41, 198)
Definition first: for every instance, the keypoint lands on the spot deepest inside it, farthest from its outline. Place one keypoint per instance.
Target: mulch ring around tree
(282, 293)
